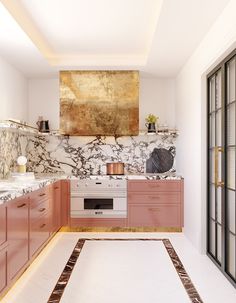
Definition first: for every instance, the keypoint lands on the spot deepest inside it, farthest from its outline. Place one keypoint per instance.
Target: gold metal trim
(120, 229)
(217, 182)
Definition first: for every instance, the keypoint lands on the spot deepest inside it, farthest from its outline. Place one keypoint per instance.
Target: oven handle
(98, 195)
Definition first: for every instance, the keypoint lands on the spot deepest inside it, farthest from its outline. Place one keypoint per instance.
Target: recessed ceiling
(154, 36)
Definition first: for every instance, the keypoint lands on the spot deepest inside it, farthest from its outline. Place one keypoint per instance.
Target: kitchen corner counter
(10, 190)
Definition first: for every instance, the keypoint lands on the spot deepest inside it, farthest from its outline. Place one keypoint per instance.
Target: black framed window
(221, 166)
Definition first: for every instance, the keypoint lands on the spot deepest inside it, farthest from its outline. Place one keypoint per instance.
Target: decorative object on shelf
(161, 160)
(151, 123)
(43, 125)
(21, 161)
(102, 103)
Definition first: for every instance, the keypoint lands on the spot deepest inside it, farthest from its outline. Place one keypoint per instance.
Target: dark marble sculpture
(161, 160)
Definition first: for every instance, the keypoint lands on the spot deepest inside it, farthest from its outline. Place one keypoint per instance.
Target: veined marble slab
(10, 190)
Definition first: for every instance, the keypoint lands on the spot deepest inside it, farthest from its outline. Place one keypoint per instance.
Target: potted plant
(151, 123)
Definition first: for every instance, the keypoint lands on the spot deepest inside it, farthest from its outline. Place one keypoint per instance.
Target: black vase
(151, 127)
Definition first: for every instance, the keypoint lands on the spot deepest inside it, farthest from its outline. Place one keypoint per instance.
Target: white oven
(99, 198)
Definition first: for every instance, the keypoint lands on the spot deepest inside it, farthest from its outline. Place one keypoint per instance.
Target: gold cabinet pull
(217, 151)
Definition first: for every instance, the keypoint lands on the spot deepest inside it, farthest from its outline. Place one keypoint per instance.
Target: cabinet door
(18, 222)
(154, 216)
(3, 268)
(56, 206)
(155, 198)
(39, 233)
(65, 202)
(3, 224)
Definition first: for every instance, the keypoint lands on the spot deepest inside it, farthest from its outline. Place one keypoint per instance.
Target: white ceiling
(157, 37)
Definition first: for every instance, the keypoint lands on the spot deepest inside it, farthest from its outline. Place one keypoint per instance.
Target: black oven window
(98, 203)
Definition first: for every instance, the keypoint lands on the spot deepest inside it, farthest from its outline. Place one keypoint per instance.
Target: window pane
(212, 94)
(212, 237)
(231, 254)
(212, 165)
(219, 247)
(231, 168)
(212, 202)
(218, 90)
(212, 130)
(219, 204)
(231, 210)
(231, 124)
(218, 128)
(231, 81)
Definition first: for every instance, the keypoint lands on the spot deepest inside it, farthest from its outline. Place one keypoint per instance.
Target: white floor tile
(37, 282)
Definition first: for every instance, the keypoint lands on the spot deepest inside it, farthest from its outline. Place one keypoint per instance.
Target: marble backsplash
(79, 155)
(13, 143)
(89, 155)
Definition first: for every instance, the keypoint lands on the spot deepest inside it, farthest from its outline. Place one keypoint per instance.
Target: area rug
(184, 280)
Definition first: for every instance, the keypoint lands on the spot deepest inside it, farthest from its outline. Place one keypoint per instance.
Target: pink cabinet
(3, 268)
(17, 232)
(155, 203)
(65, 202)
(56, 206)
(3, 224)
(3, 247)
(40, 219)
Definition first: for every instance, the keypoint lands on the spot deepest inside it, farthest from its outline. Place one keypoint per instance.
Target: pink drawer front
(156, 198)
(39, 233)
(155, 216)
(154, 185)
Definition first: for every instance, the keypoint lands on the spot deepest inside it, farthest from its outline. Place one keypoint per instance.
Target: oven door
(102, 207)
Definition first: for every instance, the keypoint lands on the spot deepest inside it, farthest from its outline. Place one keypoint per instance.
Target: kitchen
(175, 92)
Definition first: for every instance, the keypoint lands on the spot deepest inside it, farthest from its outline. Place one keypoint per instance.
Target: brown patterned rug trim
(62, 282)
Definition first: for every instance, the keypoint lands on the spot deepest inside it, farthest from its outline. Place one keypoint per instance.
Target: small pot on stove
(115, 168)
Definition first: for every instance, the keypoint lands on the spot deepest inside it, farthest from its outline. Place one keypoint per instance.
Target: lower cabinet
(18, 235)
(40, 213)
(155, 203)
(65, 202)
(56, 206)
(26, 224)
(3, 246)
(154, 215)
(3, 268)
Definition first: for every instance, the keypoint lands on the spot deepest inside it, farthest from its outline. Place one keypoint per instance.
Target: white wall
(43, 100)
(191, 120)
(14, 93)
(157, 96)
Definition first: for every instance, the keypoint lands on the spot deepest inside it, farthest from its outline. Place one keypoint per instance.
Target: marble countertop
(10, 190)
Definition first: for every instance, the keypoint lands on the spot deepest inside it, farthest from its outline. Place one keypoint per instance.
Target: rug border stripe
(63, 280)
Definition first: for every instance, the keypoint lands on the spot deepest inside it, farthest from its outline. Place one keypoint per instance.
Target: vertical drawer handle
(42, 226)
(21, 205)
(154, 209)
(42, 209)
(41, 195)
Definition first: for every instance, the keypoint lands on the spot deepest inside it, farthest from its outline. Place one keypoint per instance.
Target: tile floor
(37, 283)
